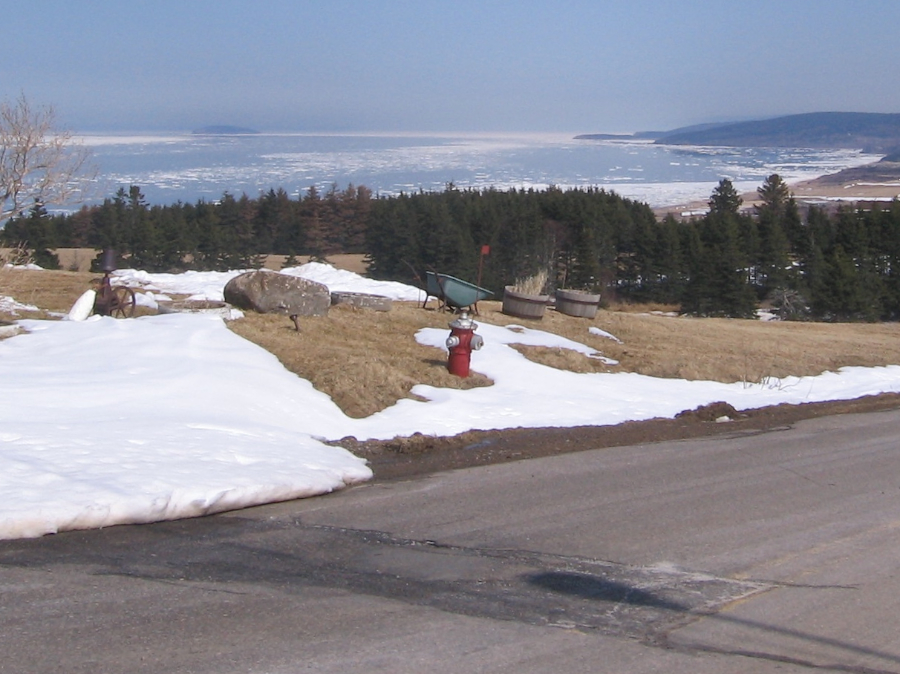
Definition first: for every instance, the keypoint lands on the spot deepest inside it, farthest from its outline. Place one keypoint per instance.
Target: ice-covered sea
(186, 167)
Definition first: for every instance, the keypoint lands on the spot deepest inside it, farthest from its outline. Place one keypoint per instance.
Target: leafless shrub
(38, 160)
(15, 256)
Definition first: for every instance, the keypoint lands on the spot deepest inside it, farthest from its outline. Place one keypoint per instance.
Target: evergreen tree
(669, 266)
(272, 212)
(520, 235)
(774, 195)
(725, 199)
(697, 297)
(748, 238)
(171, 233)
(210, 240)
(772, 214)
(585, 272)
(138, 236)
(392, 240)
(888, 228)
(40, 237)
(289, 261)
(718, 284)
(314, 225)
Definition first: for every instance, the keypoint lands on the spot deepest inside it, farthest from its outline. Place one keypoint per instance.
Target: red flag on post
(485, 250)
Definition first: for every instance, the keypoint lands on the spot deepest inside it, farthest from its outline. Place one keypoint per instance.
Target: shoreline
(878, 181)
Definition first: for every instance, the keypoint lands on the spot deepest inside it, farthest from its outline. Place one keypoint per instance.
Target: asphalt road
(763, 552)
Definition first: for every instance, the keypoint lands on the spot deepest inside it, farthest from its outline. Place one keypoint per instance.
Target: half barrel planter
(577, 303)
(523, 305)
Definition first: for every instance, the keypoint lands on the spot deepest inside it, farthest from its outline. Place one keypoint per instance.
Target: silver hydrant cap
(464, 322)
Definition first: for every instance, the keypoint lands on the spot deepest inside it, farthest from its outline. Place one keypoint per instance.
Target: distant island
(875, 133)
(223, 130)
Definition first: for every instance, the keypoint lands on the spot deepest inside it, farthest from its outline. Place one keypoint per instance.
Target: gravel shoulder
(419, 455)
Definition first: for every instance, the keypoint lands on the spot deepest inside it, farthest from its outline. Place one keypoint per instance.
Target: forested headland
(877, 133)
(814, 264)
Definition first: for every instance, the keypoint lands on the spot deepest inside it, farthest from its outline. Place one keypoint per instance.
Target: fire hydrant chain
(461, 343)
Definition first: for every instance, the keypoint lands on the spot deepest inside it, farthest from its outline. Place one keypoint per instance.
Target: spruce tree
(40, 238)
(718, 285)
(725, 199)
(772, 214)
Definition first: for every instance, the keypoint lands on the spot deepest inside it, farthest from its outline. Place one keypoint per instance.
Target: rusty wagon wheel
(123, 302)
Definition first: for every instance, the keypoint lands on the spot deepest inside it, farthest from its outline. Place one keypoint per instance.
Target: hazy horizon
(571, 66)
(422, 132)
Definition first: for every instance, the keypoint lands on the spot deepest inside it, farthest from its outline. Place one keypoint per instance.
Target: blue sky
(463, 65)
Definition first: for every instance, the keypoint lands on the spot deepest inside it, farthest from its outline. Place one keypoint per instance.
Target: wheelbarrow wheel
(123, 302)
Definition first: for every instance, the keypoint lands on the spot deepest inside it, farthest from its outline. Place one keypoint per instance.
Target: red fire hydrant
(461, 343)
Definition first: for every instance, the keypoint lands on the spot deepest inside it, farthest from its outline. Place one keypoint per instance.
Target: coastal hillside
(871, 132)
(876, 133)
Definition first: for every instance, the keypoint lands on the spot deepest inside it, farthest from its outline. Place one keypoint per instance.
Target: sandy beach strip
(874, 182)
(823, 190)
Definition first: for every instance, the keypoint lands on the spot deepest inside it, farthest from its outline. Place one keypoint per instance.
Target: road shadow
(501, 584)
(597, 588)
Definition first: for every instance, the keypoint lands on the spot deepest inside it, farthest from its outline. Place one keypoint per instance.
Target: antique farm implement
(117, 301)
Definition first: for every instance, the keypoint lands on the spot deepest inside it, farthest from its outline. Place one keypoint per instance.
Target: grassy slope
(366, 360)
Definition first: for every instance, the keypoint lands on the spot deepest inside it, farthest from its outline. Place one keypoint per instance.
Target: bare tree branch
(38, 161)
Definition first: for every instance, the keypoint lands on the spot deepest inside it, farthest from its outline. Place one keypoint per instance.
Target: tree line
(230, 233)
(840, 265)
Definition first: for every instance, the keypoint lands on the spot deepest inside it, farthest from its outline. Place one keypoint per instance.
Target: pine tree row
(841, 265)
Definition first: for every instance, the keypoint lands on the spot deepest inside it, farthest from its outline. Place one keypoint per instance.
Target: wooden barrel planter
(523, 305)
(577, 303)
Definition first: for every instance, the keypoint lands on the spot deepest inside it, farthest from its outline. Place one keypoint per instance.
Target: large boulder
(269, 292)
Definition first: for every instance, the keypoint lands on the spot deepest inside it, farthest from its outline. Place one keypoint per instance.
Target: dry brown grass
(562, 359)
(79, 259)
(717, 349)
(53, 292)
(730, 350)
(367, 360)
(49, 291)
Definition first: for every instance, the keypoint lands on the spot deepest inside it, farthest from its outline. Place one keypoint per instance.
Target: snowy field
(110, 421)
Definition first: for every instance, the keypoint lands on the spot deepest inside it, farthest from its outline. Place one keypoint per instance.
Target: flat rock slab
(222, 309)
(362, 300)
(269, 292)
(8, 329)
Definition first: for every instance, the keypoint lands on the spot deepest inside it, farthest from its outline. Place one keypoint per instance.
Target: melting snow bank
(209, 285)
(109, 422)
(529, 395)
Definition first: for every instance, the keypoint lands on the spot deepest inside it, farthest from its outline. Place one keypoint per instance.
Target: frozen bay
(186, 167)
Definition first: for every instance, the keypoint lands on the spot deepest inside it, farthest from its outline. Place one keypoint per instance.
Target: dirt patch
(418, 455)
(718, 412)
